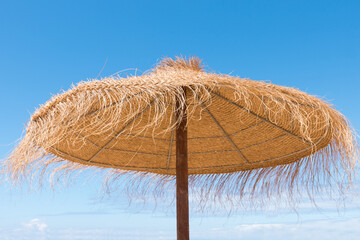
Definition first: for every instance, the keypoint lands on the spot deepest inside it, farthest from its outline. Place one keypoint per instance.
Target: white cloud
(35, 224)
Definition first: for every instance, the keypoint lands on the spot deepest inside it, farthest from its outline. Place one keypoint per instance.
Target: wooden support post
(182, 195)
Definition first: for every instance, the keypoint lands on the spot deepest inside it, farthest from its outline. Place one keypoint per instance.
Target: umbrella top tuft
(190, 63)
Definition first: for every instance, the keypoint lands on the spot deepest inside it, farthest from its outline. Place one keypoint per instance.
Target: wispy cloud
(84, 234)
(312, 230)
(92, 213)
(324, 229)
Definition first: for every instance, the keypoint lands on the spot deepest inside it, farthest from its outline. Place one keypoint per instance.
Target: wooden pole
(182, 195)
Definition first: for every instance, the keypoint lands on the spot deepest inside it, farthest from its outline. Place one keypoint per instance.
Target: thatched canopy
(243, 134)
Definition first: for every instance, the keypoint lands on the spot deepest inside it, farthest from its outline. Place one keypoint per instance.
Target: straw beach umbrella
(177, 122)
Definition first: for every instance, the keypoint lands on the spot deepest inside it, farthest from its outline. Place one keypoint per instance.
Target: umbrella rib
(119, 133)
(226, 135)
(272, 159)
(256, 124)
(152, 138)
(78, 133)
(107, 165)
(252, 126)
(266, 141)
(263, 119)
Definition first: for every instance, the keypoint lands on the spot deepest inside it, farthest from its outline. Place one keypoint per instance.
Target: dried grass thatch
(300, 141)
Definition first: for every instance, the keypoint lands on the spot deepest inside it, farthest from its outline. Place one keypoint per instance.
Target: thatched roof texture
(243, 135)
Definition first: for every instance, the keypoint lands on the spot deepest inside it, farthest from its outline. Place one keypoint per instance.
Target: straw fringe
(120, 100)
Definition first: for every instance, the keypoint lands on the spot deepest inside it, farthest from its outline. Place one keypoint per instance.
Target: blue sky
(45, 46)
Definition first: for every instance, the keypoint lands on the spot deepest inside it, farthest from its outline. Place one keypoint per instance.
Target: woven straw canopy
(222, 134)
(234, 125)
